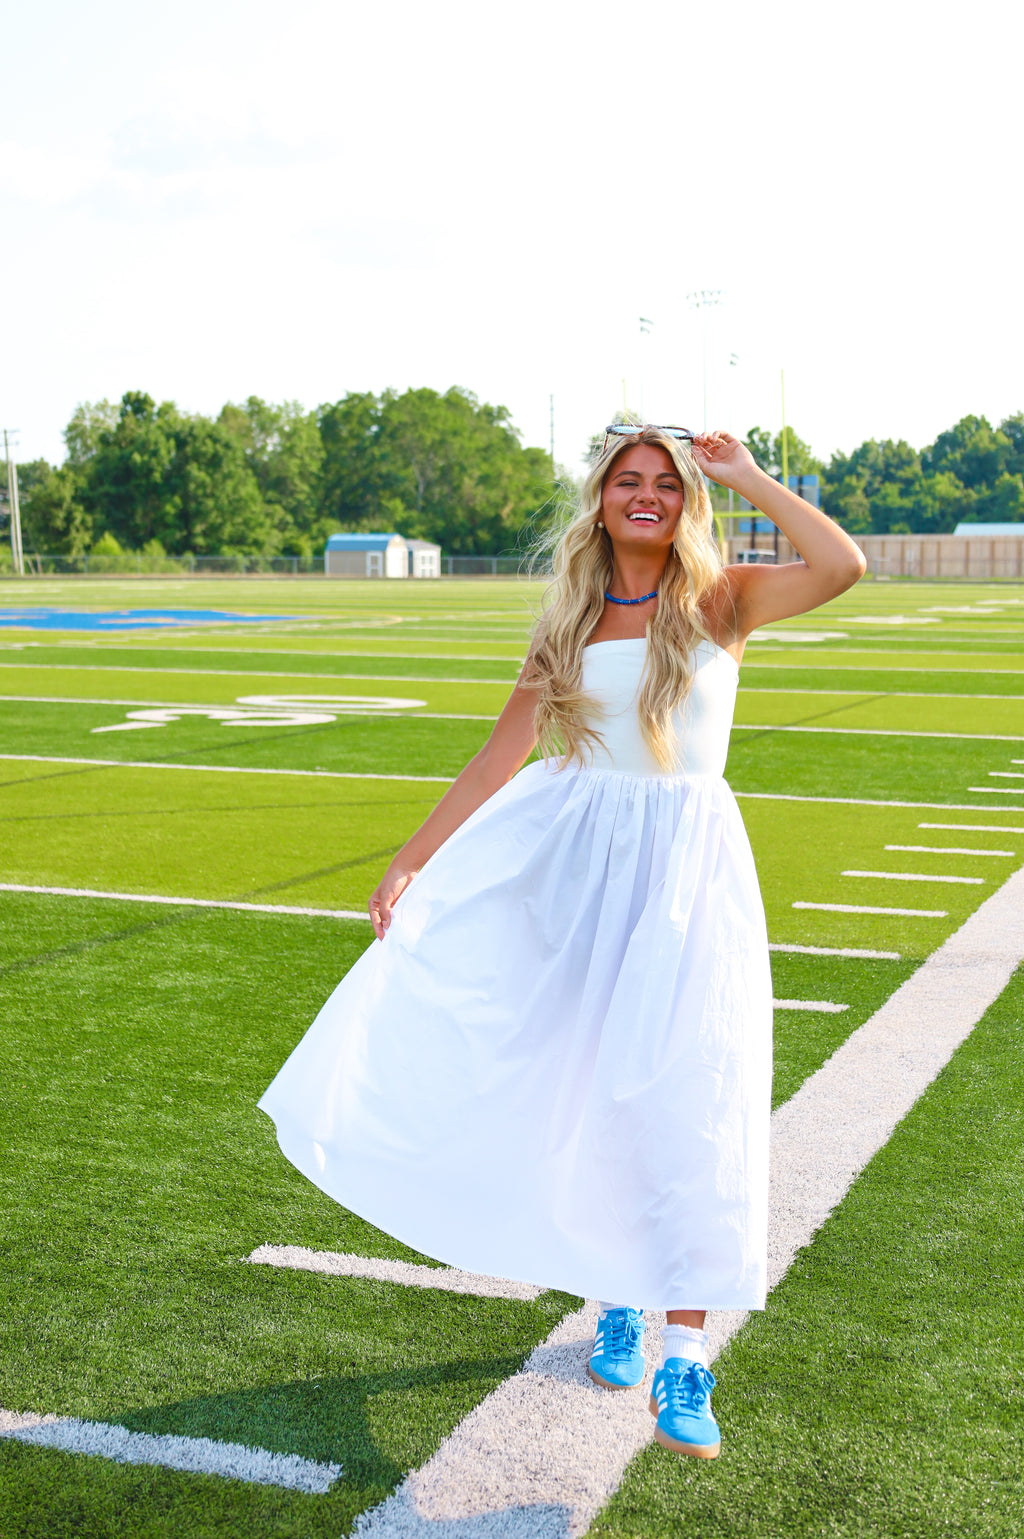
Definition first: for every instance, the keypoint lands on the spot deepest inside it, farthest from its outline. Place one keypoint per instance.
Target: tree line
(972, 473)
(265, 479)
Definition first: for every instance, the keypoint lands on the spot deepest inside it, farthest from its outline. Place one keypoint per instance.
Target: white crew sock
(683, 1341)
(603, 1307)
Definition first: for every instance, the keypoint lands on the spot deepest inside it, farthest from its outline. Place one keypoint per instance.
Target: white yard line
(223, 769)
(944, 849)
(543, 1453)
(917, 876)
(981, 737)
(823, 1006)
(421, 715)
(860, 953)
(999, 791)
(193, 709)
(195, 1455)
(864, 908)
(236, 769)
(977, 828)
(139, 897)
(447, 1279)
(1009, 774)
(751, 689)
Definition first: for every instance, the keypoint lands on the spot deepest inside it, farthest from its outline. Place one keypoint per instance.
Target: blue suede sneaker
(617, 1361)
(681, 1400)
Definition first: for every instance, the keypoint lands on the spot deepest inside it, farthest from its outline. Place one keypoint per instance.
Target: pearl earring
(599, 524)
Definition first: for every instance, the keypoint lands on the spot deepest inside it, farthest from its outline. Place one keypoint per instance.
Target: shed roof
(992, 531)
(361, 541)
(422, 545)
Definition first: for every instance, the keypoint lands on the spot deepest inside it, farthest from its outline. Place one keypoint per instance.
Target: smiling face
(642, 498)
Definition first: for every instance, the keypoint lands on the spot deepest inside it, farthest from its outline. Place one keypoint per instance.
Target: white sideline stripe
(943, 849)
(446, 780)
(141, 897)
(864, 908)
(836, 951)
(972, 828)
(823, 1006)
(232, 769)
(195, 1455)
(918, 876)
(406, 1273)
(542, 1454)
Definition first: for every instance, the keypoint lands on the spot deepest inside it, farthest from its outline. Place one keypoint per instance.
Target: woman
(557, 1065)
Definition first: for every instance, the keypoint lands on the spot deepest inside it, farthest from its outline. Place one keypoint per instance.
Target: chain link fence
(132, 564)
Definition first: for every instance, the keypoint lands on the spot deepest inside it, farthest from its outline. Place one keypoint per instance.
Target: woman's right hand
(384, 896)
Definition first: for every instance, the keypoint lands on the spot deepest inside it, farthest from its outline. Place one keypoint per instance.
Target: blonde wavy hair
(582, 562)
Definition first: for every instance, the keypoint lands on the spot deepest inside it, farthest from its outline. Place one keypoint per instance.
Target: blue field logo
(124, 619)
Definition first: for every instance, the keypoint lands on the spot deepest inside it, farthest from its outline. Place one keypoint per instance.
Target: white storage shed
(366, 555)
(424, 558)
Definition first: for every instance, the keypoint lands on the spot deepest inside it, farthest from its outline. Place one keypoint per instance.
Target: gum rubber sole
(605, 1384)
(695, 1450)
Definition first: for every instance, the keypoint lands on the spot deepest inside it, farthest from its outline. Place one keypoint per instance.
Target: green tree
(972, 450)
(126, 478)
(350, 487)
(53, 520)
(767, 453)
(284, 450)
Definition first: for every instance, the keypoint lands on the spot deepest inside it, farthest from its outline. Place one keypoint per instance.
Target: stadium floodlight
(702, 300)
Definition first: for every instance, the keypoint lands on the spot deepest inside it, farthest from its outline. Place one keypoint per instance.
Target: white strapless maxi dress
(557, 1065)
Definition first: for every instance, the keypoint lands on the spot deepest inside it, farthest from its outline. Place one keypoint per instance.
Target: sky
(213, 200)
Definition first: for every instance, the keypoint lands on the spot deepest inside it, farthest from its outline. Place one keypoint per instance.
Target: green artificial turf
(138, 1173)
(881, 1393)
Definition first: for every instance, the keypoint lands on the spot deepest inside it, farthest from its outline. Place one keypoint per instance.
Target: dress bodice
(612, 674)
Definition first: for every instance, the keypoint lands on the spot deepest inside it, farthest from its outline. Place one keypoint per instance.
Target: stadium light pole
(645, 331)
(702, 300)
(733, 364)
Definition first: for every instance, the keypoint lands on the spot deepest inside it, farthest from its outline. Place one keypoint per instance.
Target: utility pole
(554, 476)
(733, 363)
(12, 493)
(702, 300)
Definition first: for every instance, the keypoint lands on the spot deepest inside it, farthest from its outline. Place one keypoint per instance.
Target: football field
(201, 783)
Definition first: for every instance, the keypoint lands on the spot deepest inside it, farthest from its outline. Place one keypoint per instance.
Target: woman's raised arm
(506, 750)
(829, 560)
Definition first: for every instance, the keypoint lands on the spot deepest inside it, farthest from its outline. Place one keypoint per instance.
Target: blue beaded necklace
(641, 600)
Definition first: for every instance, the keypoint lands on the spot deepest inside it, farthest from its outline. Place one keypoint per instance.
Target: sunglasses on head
(632, 430)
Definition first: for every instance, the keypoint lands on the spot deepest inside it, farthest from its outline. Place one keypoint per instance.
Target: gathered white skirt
(556, 1067)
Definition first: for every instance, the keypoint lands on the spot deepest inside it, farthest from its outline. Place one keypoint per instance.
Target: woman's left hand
(724, 458)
